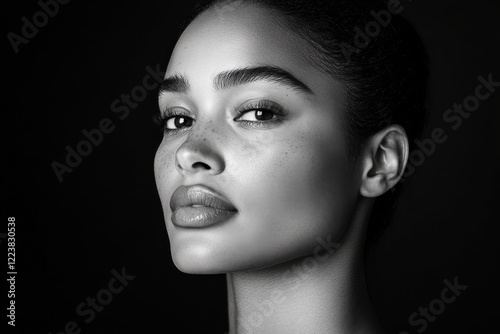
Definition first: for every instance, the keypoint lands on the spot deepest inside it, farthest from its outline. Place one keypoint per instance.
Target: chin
(199, 259)
(207, 259)
(189, 266)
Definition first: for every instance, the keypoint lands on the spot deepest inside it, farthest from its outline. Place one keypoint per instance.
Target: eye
(263, 114)
(257, 115)
(173, 120)
(177, 122)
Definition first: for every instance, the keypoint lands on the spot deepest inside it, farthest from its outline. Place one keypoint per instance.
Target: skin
(289, 180)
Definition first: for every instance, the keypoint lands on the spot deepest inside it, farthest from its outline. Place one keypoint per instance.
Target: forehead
(241, 36)
(237, 36)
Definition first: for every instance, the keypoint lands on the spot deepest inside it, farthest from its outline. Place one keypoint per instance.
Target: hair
(384, 74)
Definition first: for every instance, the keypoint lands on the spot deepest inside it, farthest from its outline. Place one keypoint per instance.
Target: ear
(383, 160)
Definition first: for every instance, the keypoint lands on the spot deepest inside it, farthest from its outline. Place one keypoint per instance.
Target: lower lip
(199, 216)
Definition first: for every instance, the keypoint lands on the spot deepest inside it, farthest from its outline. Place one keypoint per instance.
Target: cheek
(289, 191)
(298, 192)
(163, 169)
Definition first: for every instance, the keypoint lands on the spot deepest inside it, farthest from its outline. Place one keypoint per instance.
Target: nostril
(201, 165)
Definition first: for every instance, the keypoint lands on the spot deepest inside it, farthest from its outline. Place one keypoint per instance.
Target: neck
(320, 293)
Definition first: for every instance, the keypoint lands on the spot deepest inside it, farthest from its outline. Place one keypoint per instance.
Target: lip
(199, 206)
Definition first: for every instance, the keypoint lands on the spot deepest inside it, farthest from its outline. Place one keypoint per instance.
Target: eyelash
(264, 105)
(161, 119)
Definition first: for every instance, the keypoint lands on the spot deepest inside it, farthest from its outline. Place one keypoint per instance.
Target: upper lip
(199, 195)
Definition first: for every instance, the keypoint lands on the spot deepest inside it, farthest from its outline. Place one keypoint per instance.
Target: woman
(284, 121)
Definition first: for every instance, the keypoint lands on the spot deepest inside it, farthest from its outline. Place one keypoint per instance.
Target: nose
(198, 156)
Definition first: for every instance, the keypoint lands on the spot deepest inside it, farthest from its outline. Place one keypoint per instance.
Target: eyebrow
(240, 76)
(245, 75)
(174, 84)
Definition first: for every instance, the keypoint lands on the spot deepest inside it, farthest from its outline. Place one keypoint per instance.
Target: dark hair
(378, 57)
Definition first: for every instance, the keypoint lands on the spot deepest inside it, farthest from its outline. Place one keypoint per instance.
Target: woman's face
(249, 117)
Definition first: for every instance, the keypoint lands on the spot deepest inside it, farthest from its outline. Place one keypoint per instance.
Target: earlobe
(383, 160)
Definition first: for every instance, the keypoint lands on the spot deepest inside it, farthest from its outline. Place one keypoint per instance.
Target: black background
(106, 214)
